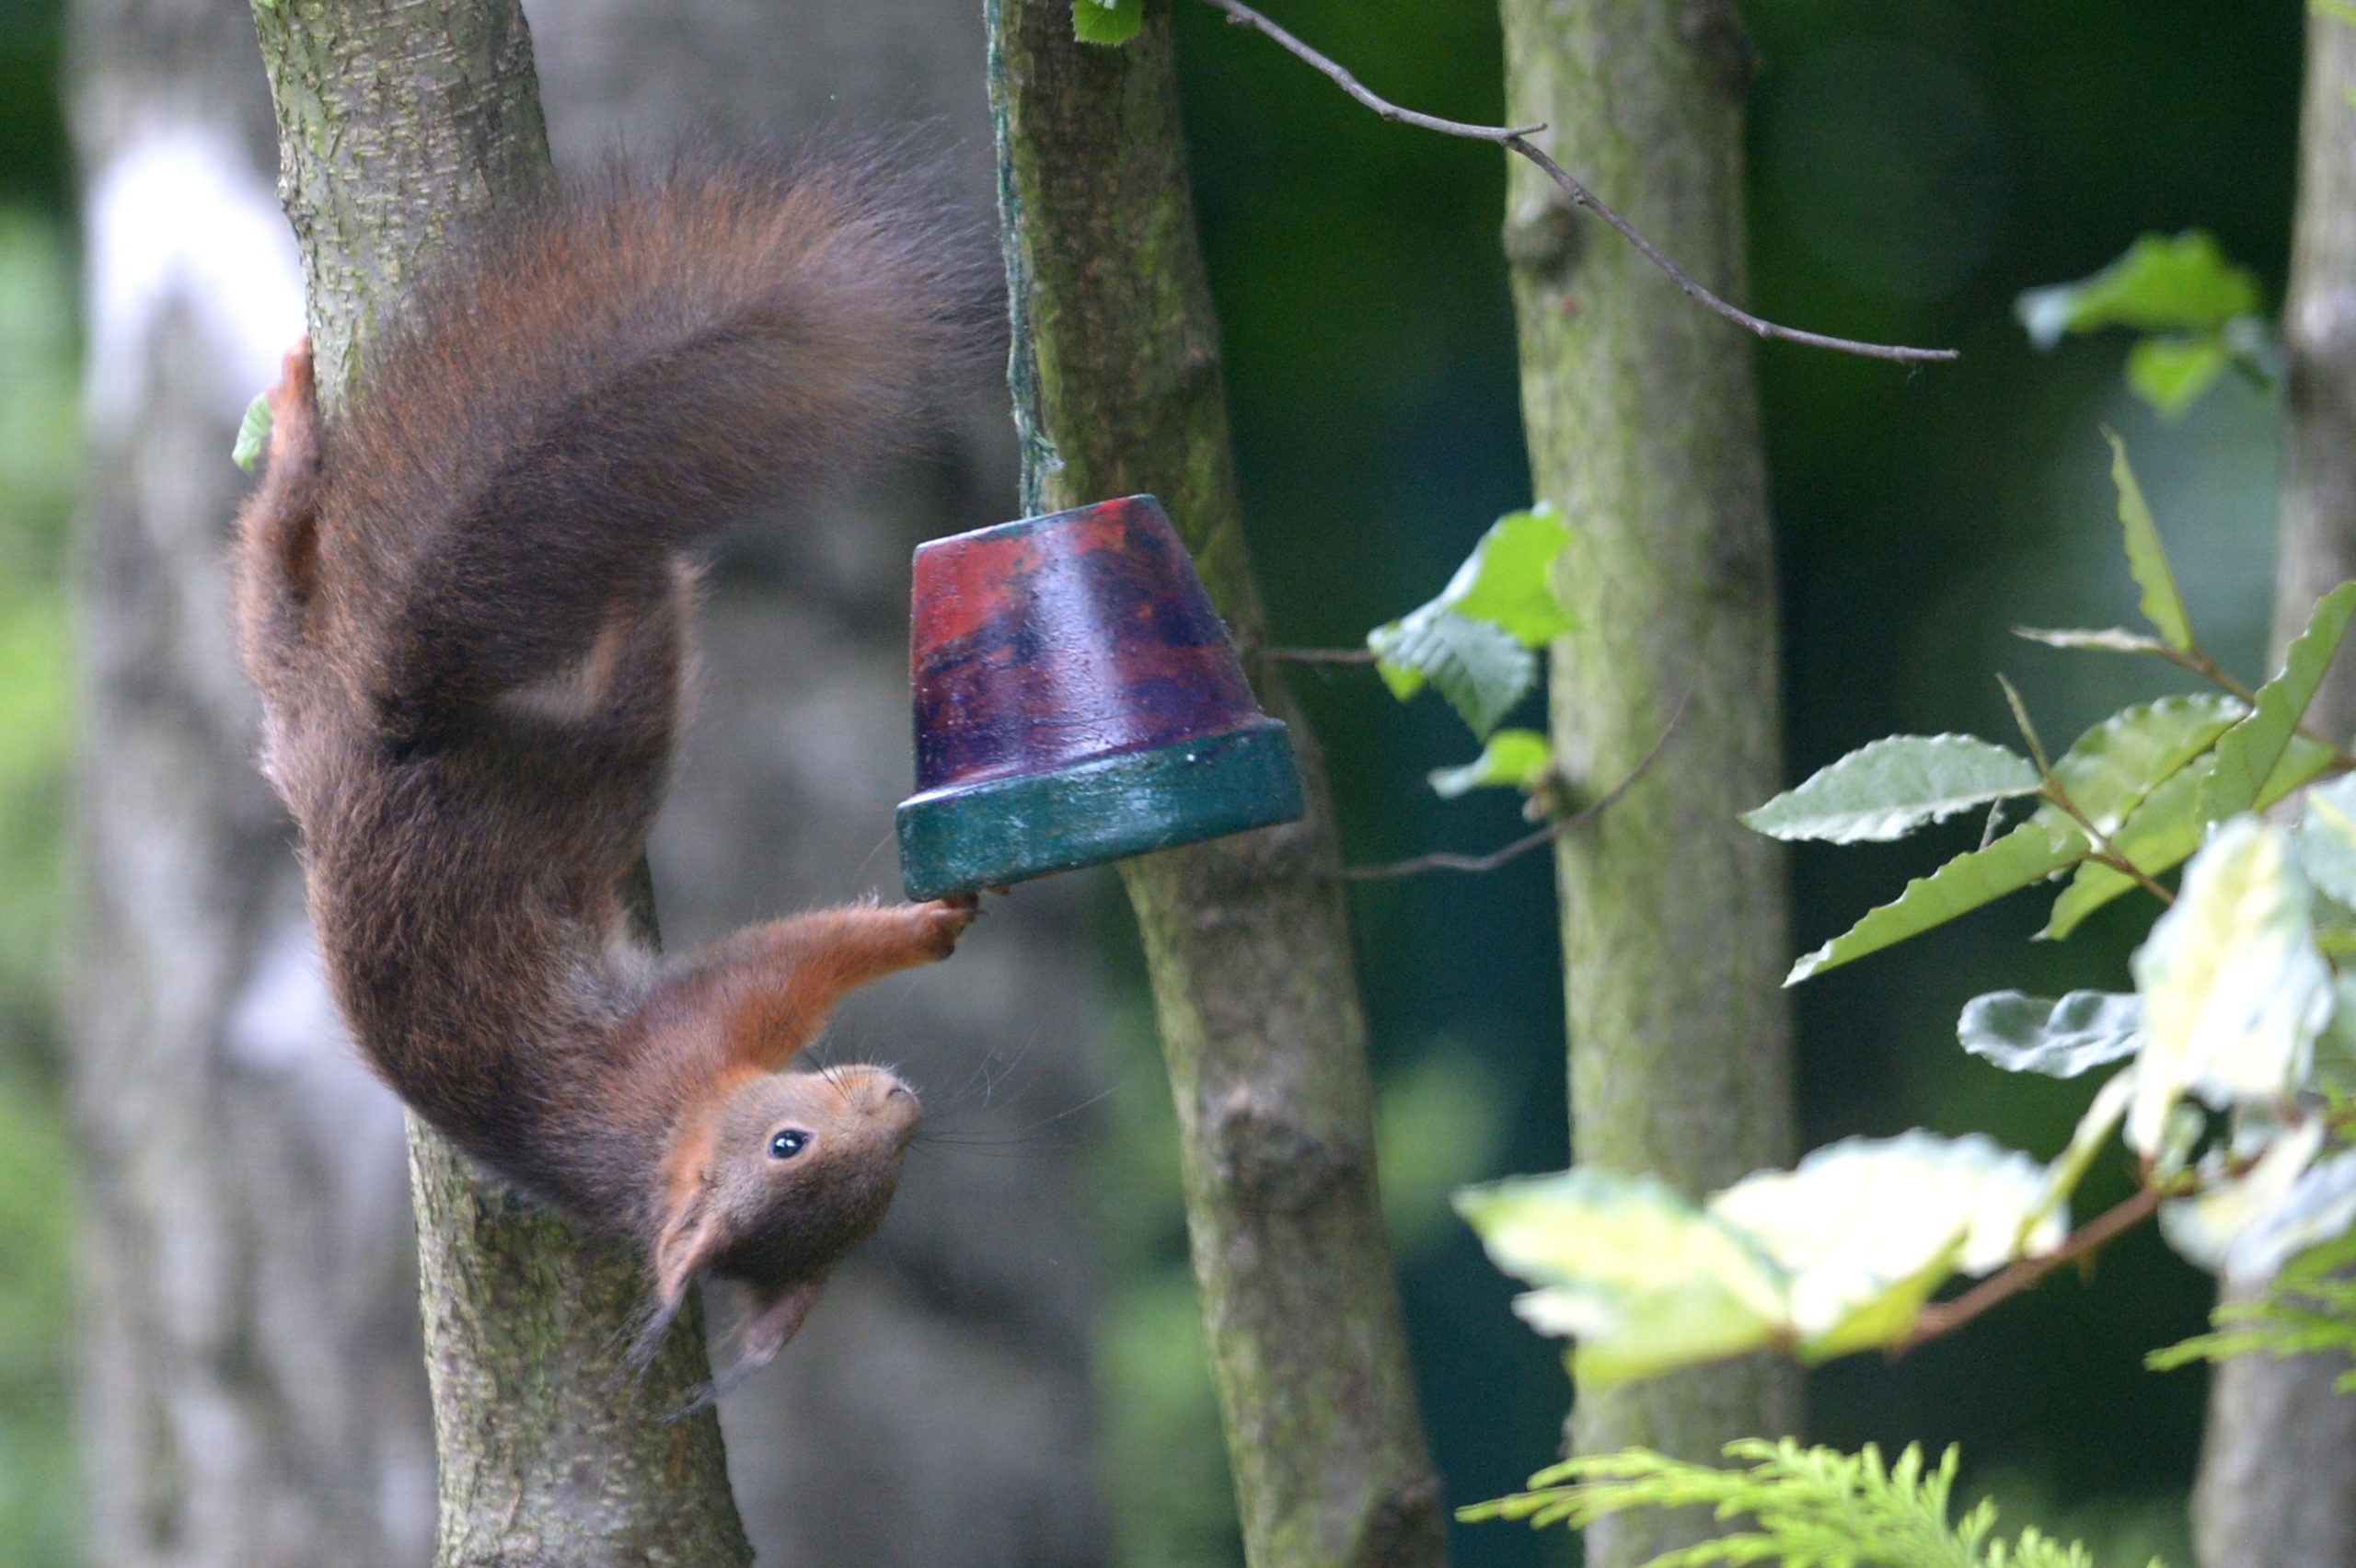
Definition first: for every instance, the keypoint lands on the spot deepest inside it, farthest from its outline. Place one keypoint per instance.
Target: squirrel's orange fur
(463, 600)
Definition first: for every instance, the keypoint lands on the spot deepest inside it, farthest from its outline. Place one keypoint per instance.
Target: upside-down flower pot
(1077, 701)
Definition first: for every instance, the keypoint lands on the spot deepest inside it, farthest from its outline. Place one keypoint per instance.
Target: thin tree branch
(1516, 138)
(1478, 864)
(1945, 1317)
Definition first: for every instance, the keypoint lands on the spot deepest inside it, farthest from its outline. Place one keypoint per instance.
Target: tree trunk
(396, 118)
(1117, 389)
(2277, 1487)
(251, 1392)
(1643, 426)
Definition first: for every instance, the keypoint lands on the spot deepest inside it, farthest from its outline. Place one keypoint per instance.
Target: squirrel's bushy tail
(569, 401)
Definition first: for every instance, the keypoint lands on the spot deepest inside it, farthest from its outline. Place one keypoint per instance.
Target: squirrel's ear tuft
(774, 1318)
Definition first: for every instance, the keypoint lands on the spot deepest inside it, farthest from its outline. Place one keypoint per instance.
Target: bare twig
(1945, 1317)
(1476, 864)
(1516, 138)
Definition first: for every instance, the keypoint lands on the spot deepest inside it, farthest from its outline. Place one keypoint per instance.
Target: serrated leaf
(1890, 788)
(2234, 990)
(2021, 1034)
(2170, 373)
(2029, 853)
(2160, 285)
(2166, 827)
(2162, 604)
(1472, 642)
(2248, 753)
(1516, 757)
(1644, 1278)
(2111, 640)
(1507, 580)
(2206, 1229)
(1869, 1223)
(1106, 23)
(253, 433)
(1479, 668)
(2112, 768)
(2327, 839)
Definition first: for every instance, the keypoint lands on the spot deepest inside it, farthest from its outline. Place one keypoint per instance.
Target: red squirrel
(463, 599)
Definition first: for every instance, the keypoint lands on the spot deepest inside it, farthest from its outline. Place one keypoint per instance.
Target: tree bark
(1117, 388)
(1643, 425)
(397, 118)
(249, 1393)
(2277, 1485)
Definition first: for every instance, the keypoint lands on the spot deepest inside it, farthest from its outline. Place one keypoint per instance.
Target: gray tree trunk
(1117, 389)
(251, 1392)
(1643, 426)
(2277, 1487)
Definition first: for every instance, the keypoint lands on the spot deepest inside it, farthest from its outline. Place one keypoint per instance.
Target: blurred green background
(1914, 164)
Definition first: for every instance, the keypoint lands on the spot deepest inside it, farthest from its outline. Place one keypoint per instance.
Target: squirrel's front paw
(944, 921)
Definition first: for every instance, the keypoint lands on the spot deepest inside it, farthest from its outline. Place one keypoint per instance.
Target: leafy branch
(1945, 1317)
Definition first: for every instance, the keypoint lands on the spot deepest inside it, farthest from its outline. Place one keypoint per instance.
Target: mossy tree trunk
(1117, 389)
(1643, 425)
(2277, 1487)
(399, 119)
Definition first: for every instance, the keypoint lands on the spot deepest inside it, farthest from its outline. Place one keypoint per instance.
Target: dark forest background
(1913, 166)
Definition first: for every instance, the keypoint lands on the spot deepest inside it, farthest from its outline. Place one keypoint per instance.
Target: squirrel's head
(790, 1171)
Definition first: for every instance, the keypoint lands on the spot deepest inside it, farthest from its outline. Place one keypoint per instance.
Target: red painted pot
(1077, 701)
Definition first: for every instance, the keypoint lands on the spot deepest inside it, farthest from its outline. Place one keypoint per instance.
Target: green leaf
(1868, 1228)
(1508, 577)
(2327, 839)
(1109, 23)
(1891, 787)
(2086, 1140)
(1646, 1281)
(1478, 667)
(2166, 827)
(2160, 285)
(2234, 990)
(2248, 753)
(2029, 853)
(2319, 1206)
(2060, 1039)
(2162, 605)
(1517, 757)
(2112, 768)
(1473, 641)
(253, 432)
(2207, 1228)
(2111, 640)
(2171, 373)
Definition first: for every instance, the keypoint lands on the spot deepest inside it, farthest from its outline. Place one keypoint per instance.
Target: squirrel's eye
(786, 1145)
